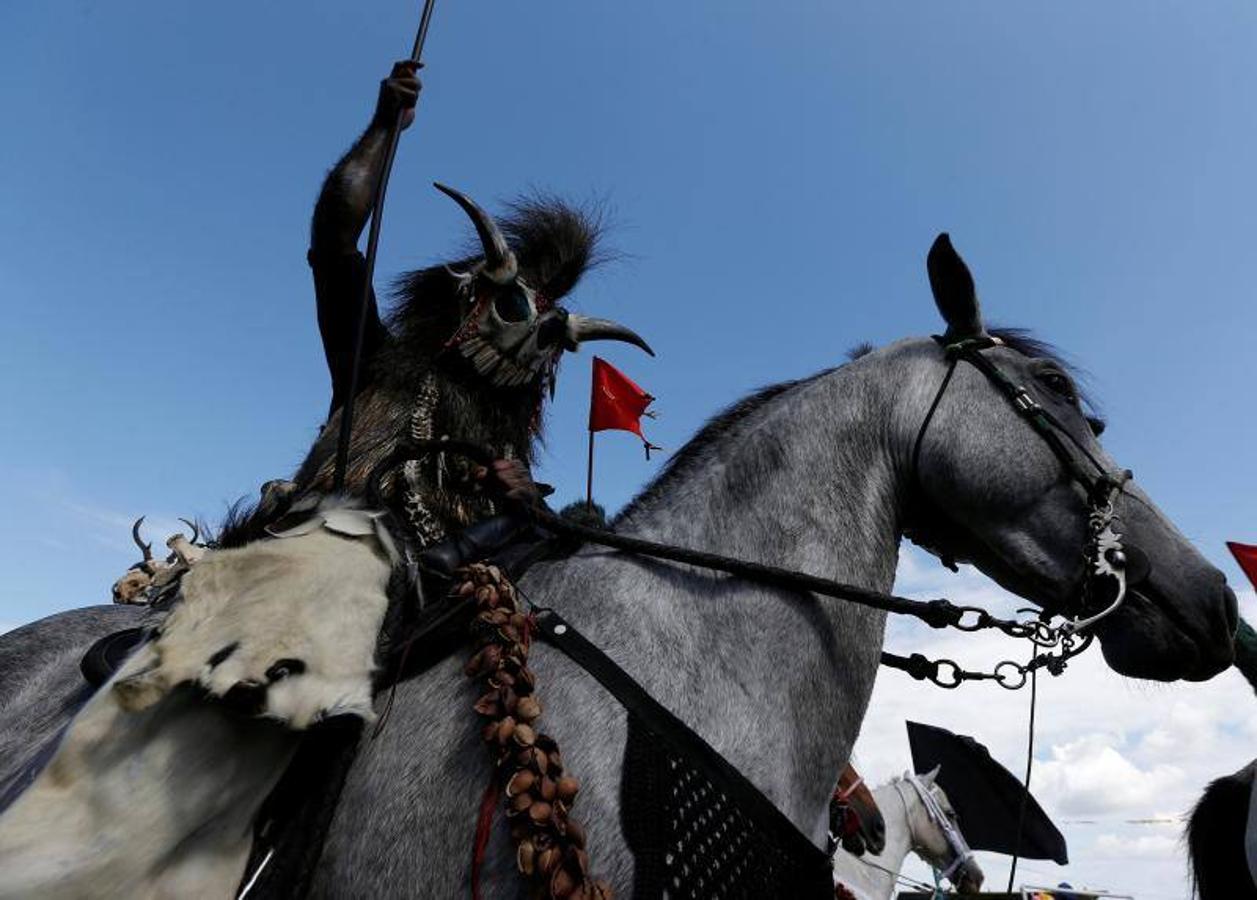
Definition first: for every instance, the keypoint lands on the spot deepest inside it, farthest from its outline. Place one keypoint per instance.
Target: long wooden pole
(373, 243)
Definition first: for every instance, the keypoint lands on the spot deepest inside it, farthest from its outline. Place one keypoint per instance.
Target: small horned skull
(134, 587)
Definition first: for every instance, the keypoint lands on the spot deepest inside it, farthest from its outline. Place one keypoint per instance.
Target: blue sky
(775, 173)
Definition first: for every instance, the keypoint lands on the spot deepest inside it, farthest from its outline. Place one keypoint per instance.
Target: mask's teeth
(507, 374)
(484, 359)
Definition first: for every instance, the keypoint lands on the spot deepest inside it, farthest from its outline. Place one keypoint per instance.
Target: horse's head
(1009, 474)
(862, 827)
(935, 833)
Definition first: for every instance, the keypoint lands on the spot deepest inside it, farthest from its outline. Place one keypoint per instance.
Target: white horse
(920, 819)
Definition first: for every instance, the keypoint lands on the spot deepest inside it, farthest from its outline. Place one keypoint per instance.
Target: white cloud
(1148, 846)
(1090, 777)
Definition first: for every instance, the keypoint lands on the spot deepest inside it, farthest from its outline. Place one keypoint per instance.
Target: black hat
(986, 796)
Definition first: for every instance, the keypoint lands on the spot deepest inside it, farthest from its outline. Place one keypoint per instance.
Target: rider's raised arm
(347, 196)
(339, 217)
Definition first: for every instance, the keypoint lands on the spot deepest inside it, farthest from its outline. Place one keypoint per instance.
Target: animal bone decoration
(512, 333)
(147, 577)
(550, 846)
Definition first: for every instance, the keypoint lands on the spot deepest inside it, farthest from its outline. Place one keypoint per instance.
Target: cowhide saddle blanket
(153, 791)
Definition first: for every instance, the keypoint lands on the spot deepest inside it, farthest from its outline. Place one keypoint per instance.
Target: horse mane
(1215, 839)
(1024, 342)
(694, 452)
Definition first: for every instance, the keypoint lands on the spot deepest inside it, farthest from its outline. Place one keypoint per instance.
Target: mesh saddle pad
(697, 827)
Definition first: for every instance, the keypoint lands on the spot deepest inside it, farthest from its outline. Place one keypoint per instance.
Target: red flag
(617, 404)
(1246, 556)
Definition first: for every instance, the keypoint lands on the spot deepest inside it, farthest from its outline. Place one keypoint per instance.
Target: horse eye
(512, 304)
(1060, 385)
(1096, 425)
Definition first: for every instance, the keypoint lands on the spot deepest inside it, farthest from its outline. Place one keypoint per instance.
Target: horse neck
(804, 476)
(870, 877)
(808, 479)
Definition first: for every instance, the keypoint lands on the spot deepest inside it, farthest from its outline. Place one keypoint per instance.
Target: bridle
(844, 819)
(956, 844)
(1104, 554)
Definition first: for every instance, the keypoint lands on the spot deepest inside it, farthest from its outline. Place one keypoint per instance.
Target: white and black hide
(152, 791)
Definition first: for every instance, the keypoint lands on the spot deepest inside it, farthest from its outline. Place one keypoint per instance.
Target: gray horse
(815, 475)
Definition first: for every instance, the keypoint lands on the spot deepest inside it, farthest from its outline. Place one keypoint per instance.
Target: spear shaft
(373, 243)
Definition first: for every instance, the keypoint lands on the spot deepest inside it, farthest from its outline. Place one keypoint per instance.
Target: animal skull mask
(511, 332)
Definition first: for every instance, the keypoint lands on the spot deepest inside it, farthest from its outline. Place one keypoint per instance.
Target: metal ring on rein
(1019, 672)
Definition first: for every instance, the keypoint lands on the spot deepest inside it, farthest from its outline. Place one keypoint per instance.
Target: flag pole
(589, 476)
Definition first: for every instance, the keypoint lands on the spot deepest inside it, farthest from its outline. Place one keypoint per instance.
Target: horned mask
(512, 333)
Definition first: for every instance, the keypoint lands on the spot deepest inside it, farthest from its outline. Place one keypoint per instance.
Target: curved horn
(583, 328)
(146, 549)
(499, 262)
(196, 532)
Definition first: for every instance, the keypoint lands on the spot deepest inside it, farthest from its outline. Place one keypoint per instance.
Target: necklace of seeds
(549, 843)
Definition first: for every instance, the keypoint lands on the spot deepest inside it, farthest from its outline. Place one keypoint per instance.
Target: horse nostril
(1231, 609)
(1216, 639)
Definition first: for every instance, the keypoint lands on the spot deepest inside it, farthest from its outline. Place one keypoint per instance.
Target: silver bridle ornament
(1105, 557)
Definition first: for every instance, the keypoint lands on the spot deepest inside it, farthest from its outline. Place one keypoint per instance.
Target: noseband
(844, 818)
(1103, 552)
(956, 843)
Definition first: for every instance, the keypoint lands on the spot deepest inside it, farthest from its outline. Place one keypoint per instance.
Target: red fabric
(617, 403)
(1246, 556)
(484, 824)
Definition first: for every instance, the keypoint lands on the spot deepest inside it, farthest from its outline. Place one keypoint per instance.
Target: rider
(338, 266)
(470, 350)
(163, 785)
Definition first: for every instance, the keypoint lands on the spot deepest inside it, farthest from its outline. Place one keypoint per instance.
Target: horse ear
(929, 777)
(953, 289)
